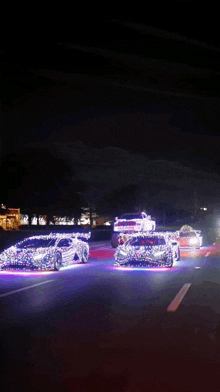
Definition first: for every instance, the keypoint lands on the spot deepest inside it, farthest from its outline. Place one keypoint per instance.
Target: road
(99, 327)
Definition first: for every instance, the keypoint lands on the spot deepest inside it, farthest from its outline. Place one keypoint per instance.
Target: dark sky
(123, 98)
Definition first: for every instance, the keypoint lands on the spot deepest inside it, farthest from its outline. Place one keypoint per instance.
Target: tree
(38, 182)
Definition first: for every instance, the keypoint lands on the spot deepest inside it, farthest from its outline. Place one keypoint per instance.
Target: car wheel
(177, 255)
(170, 260)
(85, 255)
(114, 241)
(57, 261)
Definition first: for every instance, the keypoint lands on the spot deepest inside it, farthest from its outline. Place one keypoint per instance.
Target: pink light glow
(26, 273)
(36, 273)
(72, 266)
(140, 268)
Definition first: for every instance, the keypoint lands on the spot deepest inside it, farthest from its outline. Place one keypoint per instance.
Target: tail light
(127, 224)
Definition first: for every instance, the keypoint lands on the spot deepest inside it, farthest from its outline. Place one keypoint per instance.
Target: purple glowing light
(140, 268)
(25, 273)
(71, 266)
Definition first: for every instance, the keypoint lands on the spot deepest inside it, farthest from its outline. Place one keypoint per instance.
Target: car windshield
(36, 243)
(146, 241)
(190, 234)
(131, 216)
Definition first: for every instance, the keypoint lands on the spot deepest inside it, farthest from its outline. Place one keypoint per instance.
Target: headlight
(122, 253)
(3, 257)
(39, 256)
(158, 254)
(193, 241)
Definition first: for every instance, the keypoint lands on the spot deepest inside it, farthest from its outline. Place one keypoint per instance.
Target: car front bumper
(142, 262)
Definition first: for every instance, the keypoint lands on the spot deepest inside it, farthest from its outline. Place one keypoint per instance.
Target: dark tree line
(38, 183)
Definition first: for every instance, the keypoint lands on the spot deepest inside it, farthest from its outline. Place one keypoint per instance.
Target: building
(10, 218)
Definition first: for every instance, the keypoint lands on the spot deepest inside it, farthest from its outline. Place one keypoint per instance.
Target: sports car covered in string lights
(148, 250)
(46, 252)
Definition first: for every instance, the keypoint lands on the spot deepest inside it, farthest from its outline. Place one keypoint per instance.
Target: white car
(130, 223)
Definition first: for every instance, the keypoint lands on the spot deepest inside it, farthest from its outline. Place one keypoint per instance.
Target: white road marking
(168, 92)
(207, 254)
(179, 297)
(25, 288)
(149, 30)
(197, 267)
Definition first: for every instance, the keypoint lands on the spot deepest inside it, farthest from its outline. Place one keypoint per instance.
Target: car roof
(148, 235)
(57, 236)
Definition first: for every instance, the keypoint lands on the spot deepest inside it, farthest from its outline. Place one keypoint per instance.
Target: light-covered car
(131, 223)
(46, 252)
(188, 237)
(148, 250)
(191, 239)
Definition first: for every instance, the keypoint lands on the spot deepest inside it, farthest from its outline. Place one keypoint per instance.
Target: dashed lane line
(179, 297)
(207, 254)
(25, 288)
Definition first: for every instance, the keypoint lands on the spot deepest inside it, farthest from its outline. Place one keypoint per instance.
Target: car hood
(148, 250)
(16, 252)
(149, 247)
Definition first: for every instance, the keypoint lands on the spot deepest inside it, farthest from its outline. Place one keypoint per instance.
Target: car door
(65, 247)
(164, 248)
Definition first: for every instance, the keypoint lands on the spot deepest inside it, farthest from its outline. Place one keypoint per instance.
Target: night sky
(108, 107)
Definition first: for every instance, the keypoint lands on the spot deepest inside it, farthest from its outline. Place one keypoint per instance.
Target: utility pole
(164, 214)
(90, 214)
(195, 202)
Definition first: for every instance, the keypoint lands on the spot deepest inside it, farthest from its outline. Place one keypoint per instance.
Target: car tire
(113, 244)
(170, 260)
(178, 255)
(57, 261)
(114, 240)
(85, 255)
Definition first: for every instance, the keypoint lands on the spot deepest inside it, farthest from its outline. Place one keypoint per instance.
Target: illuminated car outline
(162, 255)
(49, 257)
(195, 242)
(134, 222)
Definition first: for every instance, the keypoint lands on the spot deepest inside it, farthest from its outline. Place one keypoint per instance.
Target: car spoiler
(150, 233)
(70, 235)
(81, 235)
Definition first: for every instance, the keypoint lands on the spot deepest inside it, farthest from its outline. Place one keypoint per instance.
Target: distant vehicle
(130, 223)
(46, 252)
(189, 238)
(148, 250)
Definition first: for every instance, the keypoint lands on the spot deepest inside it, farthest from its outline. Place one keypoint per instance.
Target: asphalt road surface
(99, 327)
